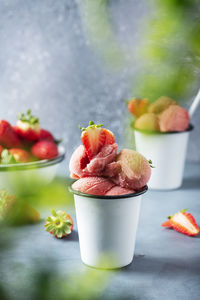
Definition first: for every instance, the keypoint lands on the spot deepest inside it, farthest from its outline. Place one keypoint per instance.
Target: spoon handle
(194, 104)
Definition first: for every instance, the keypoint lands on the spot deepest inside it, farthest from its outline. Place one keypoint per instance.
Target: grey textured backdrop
(49, 64)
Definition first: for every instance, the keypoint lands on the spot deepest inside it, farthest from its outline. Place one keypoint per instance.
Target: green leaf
(54, 213)
(150, 162)
(7, 158)
(91, 125)
(28, 118)
(67, 230)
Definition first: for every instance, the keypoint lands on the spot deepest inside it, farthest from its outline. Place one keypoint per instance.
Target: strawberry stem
(58, 224)
(91, 125)
(28, 117)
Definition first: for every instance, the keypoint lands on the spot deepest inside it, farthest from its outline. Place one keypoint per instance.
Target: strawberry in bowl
(27, 127)
(26, 146)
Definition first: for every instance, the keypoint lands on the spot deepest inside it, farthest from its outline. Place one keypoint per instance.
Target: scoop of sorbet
(135, 170)
(118, 190)
(93, 185)
(174, 118)
(80, 166)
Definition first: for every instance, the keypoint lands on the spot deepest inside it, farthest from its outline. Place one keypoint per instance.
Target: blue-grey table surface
(166, 264)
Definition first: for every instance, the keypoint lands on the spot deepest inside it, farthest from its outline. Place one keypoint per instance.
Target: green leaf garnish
(150, 163)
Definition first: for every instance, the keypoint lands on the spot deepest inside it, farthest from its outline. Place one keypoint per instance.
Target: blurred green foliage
(40, 280)
(171, 57)
(169, 54)
(100, 32)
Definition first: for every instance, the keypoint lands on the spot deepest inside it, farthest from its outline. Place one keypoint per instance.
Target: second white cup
(167, 152)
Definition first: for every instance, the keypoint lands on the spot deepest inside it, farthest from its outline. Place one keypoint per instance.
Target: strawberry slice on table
(8, 137)
(138, 107)
(28, 127)
(94, 137)
(183, 222)
(59, 224)
(44, 150)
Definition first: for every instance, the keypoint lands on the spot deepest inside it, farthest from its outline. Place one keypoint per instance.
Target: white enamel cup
(167, 152)
(107, 228)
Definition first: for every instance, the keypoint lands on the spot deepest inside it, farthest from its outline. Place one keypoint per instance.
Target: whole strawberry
(14, 155)
(46, 135)
(28, 127)
(44, 150)
(8, 137)
(59, 224)
(20, 155)
(182, 222)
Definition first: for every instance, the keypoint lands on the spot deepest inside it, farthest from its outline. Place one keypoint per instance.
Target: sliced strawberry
(138, 107)
(72, 175)
(44, 150)
(184, 222)
(20, 155)
(110, 138)
(8, 137)
(46, 135)
(93, 138)
(28, 127)
(167, 224)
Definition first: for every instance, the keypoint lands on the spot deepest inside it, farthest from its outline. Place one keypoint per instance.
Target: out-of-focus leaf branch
(171, 56)
(40, 280)
(100, 32)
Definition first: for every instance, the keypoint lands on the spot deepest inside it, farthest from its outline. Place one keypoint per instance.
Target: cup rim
(190, 128)
(108, 197)
(35, 164)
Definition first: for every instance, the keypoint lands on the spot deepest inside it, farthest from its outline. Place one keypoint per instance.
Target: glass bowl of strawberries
(27, 151)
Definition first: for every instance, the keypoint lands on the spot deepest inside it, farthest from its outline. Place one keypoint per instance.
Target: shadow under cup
(107, 228)
(167, 152)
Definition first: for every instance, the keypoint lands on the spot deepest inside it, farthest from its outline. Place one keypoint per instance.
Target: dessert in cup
(161, 133)
(107, 193)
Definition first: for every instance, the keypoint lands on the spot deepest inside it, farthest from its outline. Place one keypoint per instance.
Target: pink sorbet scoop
(135, 170)
(80, 166)
(118, 190)
(174, 118)
(93, 185)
